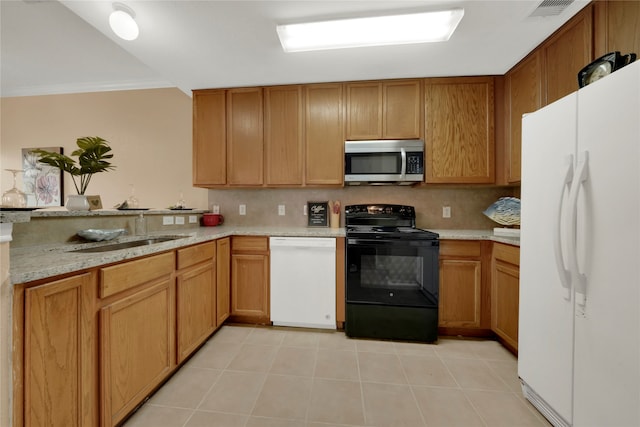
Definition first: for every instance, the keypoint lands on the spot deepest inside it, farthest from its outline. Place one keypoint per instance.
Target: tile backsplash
(466, 203)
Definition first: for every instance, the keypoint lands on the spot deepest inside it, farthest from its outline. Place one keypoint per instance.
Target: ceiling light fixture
(122, 22)
(374, 31)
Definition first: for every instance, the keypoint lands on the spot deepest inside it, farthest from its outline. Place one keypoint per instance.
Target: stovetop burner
(389, 221)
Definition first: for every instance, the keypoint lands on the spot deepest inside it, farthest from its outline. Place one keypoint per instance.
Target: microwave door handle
(403, 172)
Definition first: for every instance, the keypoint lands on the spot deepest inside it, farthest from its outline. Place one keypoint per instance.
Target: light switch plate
(242, 209)
(179, 220)
(216, 209)
(281, 210)
(193, 219)
(446, 212)
(167, 220)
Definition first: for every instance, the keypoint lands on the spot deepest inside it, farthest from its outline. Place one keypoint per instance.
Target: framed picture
(94, 202)
(318, 214)
(42, 183)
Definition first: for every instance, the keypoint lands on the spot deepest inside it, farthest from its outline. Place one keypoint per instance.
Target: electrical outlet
(281, 210)
(167, 220)
(446, 212)
(179, 220)
(216, 209)
(242, 209)
(193, 219)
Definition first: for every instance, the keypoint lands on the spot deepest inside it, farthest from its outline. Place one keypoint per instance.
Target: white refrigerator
(579, 326)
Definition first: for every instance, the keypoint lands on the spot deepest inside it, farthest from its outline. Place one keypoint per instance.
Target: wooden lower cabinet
(195, 297)
(464, 293)
(250, 279)
(223, 280)
(137, 349)
(60, 353)
(505, 293)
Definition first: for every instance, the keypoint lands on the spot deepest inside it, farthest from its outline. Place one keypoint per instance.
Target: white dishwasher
(303, 281)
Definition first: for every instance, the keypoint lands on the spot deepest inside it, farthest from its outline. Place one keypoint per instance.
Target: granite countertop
(476, 235)
(38, 262)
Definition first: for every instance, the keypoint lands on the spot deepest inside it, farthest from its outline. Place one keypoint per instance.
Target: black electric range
(392, 275)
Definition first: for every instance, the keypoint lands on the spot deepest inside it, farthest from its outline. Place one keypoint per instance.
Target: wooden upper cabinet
(459, 130)
(364, 110)
(566, 53)
(245, 137)
(324, 134)
(384, 110)
(524, 89)
(209, 138)
(402, 109)
(283, 129)
(617, 27)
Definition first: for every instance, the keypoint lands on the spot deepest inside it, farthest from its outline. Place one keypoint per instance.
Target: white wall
(148, 130)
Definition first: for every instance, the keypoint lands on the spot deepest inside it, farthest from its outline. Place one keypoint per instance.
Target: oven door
(395, 272)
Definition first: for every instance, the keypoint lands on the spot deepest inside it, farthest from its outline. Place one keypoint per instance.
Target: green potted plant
(93, 154)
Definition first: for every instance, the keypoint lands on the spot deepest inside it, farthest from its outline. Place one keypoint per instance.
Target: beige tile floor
(255, 377)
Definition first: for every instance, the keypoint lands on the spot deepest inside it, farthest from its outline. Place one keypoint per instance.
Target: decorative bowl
(505, 211)
(98, 235)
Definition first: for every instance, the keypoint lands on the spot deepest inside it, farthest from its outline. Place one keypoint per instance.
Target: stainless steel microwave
(399, 162)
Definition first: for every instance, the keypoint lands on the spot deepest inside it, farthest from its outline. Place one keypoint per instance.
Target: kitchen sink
(127, 245)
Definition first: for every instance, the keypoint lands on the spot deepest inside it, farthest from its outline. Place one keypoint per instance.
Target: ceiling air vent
(551, 7)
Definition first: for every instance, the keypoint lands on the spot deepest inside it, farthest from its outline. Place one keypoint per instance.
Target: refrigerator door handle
(563, 271)
(580, 279)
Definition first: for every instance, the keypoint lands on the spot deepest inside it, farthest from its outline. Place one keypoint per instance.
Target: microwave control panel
(415, 163)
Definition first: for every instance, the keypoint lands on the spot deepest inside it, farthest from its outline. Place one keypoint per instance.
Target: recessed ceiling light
(373, 31)
(122, 22)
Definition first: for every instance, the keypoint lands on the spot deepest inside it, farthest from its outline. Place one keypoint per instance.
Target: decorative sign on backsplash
(318, 214)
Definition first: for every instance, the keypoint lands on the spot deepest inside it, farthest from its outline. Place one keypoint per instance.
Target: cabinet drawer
(507, 253)
(119, 277)
(460, 248)
(196, 254)
(249, 243)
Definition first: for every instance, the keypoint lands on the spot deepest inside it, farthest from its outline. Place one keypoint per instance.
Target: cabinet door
(250, 286)
(364, 110)
(223, 282)
(244, 137)
(524, 95)
(209, 138)
(283, 123)
(462, 304)
(324, 134)
(617, 27)
(137, 348)
(196, 307)
(459, 130)
(566, 53)
(505, 293)
(402, 109)
(460, 293)
(60, 356)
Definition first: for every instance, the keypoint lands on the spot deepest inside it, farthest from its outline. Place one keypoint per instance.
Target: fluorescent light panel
(374, 31)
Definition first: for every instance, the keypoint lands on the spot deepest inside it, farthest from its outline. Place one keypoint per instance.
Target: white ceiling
(52, 47)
